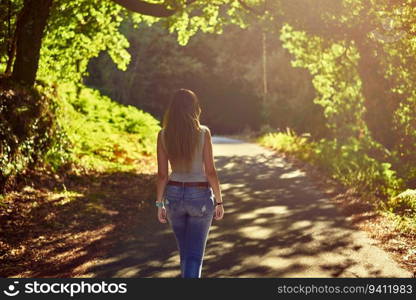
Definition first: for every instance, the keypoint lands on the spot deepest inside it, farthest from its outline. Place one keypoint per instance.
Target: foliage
(57, 127)
(149, 68)
(334, 77)
(159, 66)
(402, 209)
(27, 129)
(348, 163)
(361, 59)
(226, 76)
(358, 81)
(8, 11)
(104, 134)
(205, 16)
(405, 125)
(351, 165)
(404, 203)
(288, 142)
(78, 31)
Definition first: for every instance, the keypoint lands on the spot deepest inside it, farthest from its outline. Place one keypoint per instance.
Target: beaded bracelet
(159, 204)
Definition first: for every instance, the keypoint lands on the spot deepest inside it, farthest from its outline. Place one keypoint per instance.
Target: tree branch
(150, 9)
(250, 9)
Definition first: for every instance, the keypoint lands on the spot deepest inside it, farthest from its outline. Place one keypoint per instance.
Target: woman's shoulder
(204, 128)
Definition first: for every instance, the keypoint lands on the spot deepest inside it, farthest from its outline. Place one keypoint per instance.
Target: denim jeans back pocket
(199, 201)
(173, 194)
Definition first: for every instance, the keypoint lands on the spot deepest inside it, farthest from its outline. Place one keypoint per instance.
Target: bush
(103, 133)
(28, 129)
(404, 204)
(290, 143)
(348, 163)
(402, 210)
(53, 126)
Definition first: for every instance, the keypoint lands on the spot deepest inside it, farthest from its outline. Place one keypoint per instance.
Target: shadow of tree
(277, 224)
(52, 232)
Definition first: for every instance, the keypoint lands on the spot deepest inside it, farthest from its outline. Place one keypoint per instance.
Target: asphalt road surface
(277, 224)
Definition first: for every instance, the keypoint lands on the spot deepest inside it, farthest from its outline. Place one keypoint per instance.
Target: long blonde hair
(182, 128)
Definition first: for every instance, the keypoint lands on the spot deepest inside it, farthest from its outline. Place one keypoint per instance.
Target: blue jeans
(190, 210)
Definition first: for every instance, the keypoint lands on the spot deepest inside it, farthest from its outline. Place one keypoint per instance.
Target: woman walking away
(190, 197)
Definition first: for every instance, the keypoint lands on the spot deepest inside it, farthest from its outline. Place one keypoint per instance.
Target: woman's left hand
(161, 214)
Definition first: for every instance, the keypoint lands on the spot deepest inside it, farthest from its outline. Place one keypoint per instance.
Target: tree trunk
(11, 40)
(265, 85)
(11, 53)
(29, 32)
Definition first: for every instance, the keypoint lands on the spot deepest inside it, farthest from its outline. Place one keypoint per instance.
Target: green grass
(349, 162)
(353, 167)
(103, 135)
(288, 142)
(402, 210)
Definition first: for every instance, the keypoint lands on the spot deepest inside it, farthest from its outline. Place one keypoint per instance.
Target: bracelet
(218, 203)
(159, 204)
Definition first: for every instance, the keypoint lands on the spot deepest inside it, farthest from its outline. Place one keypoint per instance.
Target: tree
(29, 31)
(31, 24)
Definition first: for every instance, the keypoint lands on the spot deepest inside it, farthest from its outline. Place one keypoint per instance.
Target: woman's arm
(211, 173)
(162, 176)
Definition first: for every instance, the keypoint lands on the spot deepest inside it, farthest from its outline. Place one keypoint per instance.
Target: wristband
(159, 204)
(218, 203)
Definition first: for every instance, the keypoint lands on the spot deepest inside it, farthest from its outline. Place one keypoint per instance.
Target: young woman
(190, 197)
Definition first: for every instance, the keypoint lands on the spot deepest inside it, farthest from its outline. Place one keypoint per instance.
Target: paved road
(277, 224)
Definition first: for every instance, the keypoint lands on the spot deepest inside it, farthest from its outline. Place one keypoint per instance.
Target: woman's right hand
(161, 214)
(219, 212)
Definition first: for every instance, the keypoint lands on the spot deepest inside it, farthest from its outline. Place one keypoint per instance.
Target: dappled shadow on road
(58, 227)
(277, 224)
(149, 252)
